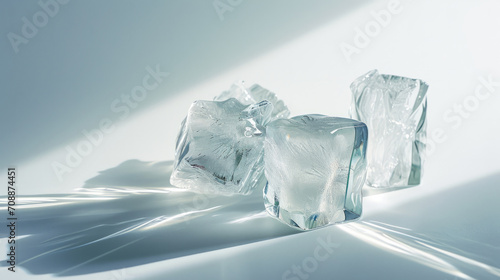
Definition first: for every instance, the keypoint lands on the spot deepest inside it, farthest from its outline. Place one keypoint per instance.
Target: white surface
(449, 44)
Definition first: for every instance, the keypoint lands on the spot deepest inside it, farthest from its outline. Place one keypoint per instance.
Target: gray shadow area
(91, 53)
(130, 215)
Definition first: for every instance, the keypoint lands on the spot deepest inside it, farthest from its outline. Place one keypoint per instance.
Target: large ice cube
(315, 166)
(220, 147)
(255, 94)
(394, 109)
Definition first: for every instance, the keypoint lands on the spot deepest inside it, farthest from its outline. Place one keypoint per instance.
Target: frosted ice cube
(315, 166)
(394, 109)
(220, 147)
(255, 94)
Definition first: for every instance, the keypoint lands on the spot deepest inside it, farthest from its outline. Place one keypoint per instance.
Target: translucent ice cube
(315, 166)
(394, 109)
(220, 147)
(255, 94)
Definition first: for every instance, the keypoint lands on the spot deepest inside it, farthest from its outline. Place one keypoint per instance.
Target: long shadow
(130, 215)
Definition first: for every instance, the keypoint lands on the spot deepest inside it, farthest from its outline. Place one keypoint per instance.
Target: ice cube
(220, 147)
(255, 94)
(315, 166)
(394, 109)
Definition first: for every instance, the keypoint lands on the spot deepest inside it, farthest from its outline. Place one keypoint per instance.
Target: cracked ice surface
(220, 147)
(255, 94)
(394, 109)
(315, 166)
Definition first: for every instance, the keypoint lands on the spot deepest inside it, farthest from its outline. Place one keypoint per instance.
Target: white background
(66, 77)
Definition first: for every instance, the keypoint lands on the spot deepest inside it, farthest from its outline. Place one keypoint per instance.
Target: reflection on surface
(129, 215)
(369, 191)
(404, 244)
(455, 231)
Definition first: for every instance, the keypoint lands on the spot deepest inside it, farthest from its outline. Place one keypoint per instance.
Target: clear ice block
(255, 94)
(394, 109)
(315, 166)
(220, 147)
